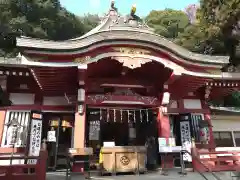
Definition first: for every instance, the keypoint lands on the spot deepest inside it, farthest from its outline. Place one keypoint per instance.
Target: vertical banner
(186, 139)
(35, 136)
(94, 130)
(196, 121)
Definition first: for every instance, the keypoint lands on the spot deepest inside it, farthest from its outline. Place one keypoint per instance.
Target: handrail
(196, 158)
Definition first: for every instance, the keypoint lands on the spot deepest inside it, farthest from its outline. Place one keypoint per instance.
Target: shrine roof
(23, 61)
(115, 29)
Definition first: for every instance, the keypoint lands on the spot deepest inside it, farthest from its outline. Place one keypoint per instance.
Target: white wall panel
(192, 104)
(22, 98)
(226, 125)
(55, 101)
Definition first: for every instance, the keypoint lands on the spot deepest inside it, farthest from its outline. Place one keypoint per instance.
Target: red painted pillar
(41, 166)
(164, 131)
(163, 123)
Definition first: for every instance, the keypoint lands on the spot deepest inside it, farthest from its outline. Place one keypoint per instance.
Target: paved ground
(173, 175)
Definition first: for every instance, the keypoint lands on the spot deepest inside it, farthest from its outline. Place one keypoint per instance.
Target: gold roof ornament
(133, 9)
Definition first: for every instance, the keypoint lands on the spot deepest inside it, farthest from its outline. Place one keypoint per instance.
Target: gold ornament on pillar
(80, 109)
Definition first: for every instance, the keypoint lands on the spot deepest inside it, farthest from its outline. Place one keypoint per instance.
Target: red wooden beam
(123, 81)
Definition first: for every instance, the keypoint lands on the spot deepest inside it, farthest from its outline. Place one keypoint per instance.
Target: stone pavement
(173, 175)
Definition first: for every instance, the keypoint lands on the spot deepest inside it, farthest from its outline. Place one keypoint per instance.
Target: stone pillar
(80, 120)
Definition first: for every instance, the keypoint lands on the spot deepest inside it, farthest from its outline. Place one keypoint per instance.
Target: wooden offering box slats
(124, 159)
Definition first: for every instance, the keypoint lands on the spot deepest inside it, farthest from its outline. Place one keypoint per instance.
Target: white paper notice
(94, 130)
(186, 139)
(109, 144)
(51, 136)
(132, 133)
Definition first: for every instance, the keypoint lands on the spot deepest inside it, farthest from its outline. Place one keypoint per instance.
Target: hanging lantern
(166, 98)
(54, 123)
(65, 124)
(81, 95)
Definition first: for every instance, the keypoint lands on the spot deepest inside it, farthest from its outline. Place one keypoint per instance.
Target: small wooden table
(119, 159)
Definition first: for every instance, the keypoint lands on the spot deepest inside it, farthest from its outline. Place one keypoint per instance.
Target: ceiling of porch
(56, 80)
(185, 85)
(148, 78)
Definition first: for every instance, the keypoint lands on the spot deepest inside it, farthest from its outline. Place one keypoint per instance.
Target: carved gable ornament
(131, 52)
(132, 59)
(82, 60)
(132, 63)
(123, 92)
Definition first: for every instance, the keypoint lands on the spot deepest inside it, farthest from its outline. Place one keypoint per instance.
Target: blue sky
(81, 7)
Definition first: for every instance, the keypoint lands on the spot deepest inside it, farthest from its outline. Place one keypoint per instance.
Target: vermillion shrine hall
(119, 76)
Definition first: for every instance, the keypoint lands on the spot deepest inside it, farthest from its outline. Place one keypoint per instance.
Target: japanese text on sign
(35, 137)
(94, 130)
(186, 139)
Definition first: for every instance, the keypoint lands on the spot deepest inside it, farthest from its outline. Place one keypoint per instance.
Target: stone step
(173, 175)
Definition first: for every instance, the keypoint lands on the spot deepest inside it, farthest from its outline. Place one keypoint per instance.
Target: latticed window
(15, 129)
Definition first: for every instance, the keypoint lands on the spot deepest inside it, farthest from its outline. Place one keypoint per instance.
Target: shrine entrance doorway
(58, 131)
(124, 126)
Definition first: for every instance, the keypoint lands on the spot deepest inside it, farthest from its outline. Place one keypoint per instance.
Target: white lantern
(166, 98)
(81, 94)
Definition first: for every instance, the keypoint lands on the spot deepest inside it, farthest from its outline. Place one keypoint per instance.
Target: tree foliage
(167, 23)
(45, 19)
(222, 19)
(215, 31)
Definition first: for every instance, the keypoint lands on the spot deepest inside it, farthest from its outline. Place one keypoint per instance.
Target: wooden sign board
(35, 136)
(80, 151)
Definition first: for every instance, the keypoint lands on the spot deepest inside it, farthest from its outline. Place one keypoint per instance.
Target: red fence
(216, 160)
(24, 171)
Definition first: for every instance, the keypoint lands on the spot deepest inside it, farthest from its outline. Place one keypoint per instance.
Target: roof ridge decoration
(114, 21)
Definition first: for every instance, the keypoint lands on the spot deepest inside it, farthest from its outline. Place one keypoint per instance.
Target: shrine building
(117, 77)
